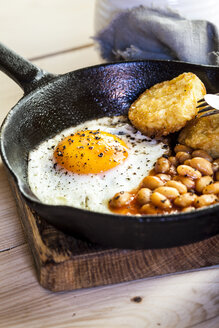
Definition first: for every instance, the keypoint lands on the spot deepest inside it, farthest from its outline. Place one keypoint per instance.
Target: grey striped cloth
(142, 33)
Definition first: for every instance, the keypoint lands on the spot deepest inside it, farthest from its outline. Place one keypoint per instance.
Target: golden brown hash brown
(167, 106)
(202, 133)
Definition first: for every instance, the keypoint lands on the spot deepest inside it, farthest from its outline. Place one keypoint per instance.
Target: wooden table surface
(56, 35)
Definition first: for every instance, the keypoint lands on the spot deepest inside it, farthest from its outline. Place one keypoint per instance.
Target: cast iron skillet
(52, 103)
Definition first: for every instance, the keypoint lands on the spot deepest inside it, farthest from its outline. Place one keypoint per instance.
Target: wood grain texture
(65, 263)
(34, 28)
(147, 303)
(11, 234)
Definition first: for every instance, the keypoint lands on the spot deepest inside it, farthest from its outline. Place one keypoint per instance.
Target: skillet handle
(22, 71)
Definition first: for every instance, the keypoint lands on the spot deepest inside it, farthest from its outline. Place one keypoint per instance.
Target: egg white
(92, 191)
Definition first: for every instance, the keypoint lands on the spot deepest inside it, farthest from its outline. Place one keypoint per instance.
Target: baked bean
(162, 165)
(202, 165)
(173, 160)
(184, 148)
(202, 182)
(163, 177)
(182, 189)
(189, 183)
(152, 182)
(172, 170)
(188, 209)
(215, 165)
(160, 200)
(187, 162)
(182, 156)
(149, 209)
(171, 183)
(169, 192)
(211, 189)
(205, 200)
(185, 200)
(121, 199)
(202, 153)
(188, 171)
(143, 196)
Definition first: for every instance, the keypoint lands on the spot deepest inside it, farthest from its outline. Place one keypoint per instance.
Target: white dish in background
(105, 10)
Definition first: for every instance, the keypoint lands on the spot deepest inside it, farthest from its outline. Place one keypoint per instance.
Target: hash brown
(167, 106)
(202, 133)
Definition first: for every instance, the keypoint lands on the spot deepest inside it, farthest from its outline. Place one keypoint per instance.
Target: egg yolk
(87, 152)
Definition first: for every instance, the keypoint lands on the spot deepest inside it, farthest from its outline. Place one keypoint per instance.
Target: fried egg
(84, 166)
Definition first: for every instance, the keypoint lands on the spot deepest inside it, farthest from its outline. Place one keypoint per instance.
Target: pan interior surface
(71, 99)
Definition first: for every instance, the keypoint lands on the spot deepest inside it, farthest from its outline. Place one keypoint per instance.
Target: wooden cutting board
(65, 263)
